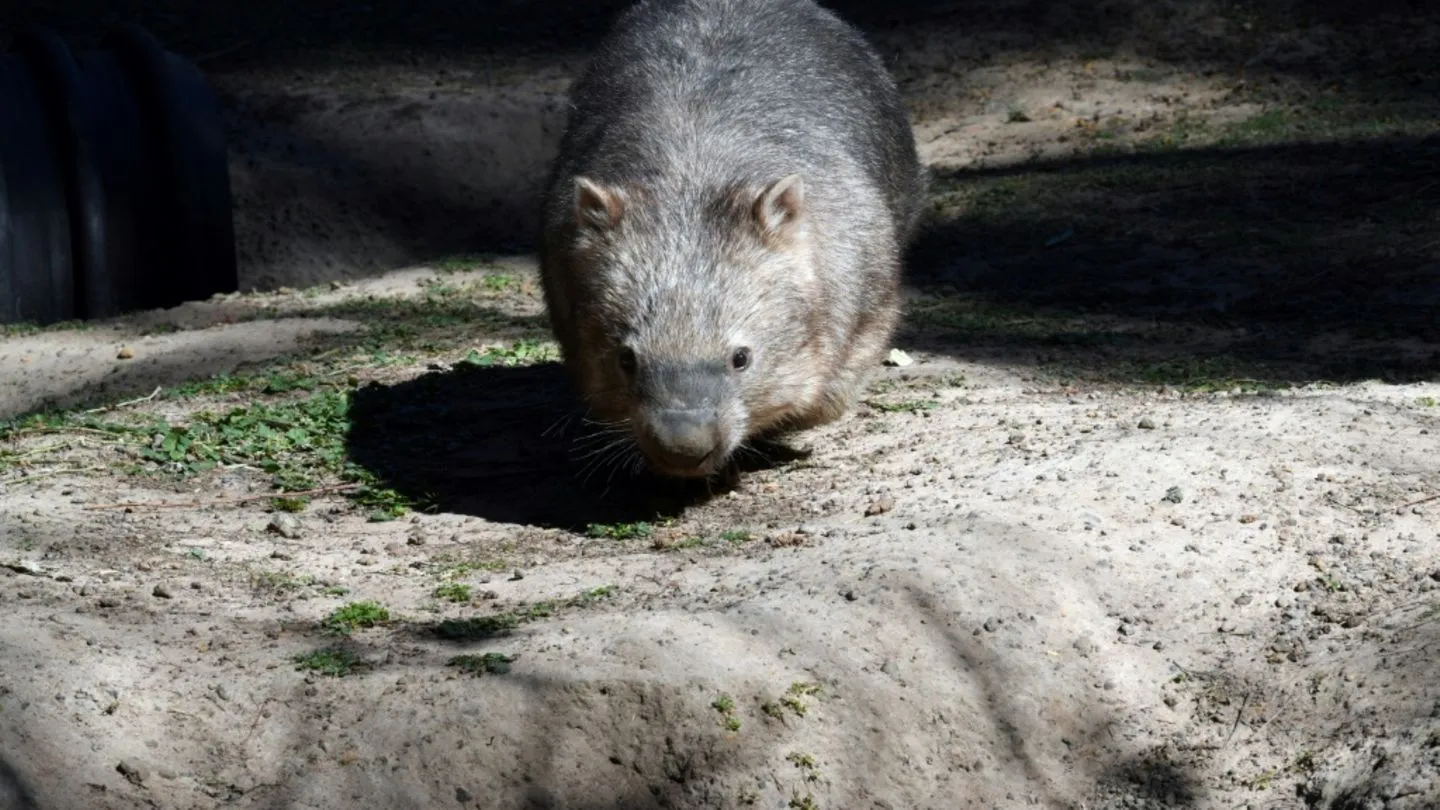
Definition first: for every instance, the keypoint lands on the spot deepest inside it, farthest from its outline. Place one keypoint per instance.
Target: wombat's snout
(683, 441)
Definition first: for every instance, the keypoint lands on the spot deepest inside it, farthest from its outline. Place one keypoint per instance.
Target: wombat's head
(694, 311)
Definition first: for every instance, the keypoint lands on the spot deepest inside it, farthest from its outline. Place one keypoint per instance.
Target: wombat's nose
(684, 438)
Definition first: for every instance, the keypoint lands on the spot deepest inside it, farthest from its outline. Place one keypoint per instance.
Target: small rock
(109, 602)
(1146, 424)
(415, 539)
(285, 525)
(1243, 599)
(880, 506)
(898, 359)
(1126, 629)
(1174, 495)
(1086, 646)
(131, 771)
(162, 591)
(991, 625)
(850, 596)
(221, 692)
(517, 576)
(1171, 701)
(125, 353)
(463, 796)
(1158, 646)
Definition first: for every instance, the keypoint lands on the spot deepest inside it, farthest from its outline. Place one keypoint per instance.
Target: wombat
(724, 223)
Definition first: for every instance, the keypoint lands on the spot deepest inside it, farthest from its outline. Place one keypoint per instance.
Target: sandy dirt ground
(1001, 582)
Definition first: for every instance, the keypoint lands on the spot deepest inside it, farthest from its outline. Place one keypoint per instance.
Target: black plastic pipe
(114, 180)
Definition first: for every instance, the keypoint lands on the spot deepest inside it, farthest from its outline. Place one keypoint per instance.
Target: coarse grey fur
(723, 227)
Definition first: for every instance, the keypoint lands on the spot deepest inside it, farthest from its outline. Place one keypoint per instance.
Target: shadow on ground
(1271, 264)
(14, 793)
(505, 444)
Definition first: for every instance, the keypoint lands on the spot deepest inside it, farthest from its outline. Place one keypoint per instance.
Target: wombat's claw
(727, 477)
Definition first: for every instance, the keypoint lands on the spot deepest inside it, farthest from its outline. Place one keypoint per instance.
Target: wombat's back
(720, 89)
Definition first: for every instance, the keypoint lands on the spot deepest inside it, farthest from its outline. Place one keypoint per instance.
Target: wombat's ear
(779, 206)
(596, 206)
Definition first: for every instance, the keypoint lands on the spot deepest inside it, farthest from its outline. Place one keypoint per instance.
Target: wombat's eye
(626, 358)
(740, 360)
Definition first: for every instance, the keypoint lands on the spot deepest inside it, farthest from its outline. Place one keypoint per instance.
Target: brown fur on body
(737, 175)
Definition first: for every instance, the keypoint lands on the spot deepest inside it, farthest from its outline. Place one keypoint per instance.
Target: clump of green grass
(736, 536)
(331, 661)
(488, 664)
(300, 443)
(30, 328)
(806, 763)
(354, 616)
(453, 592)
(904, 405)
(279, 581)
(794, 697)
(620, 531)
(725, 705)
(267, 381)
(459, 264)
(499, 282)
(476, 628)
(520, 353)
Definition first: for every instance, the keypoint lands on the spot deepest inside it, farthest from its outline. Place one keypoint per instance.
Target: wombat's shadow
(508, 444)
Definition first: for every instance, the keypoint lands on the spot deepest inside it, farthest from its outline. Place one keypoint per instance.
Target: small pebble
(163, 592)
(880, 506)
(131, 771)
(287, 526)
(898, 359)
(125, 353)
(1147, 424)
